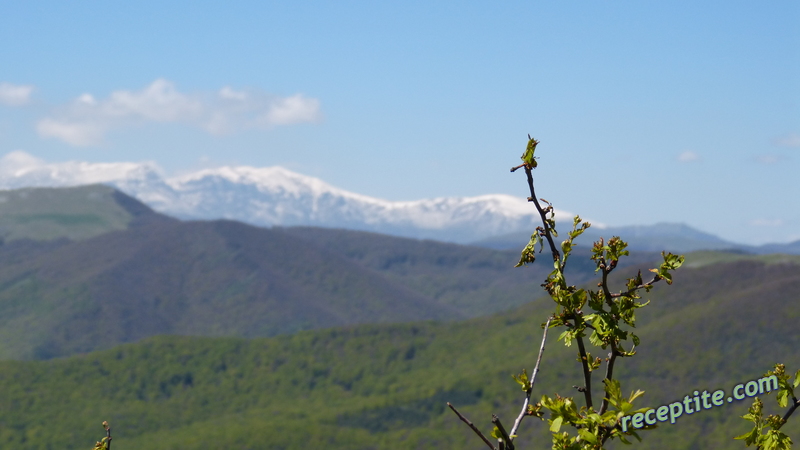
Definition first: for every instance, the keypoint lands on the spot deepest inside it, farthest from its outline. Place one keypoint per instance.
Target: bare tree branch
(527, 401)
(641, 286)
(794, 406)
(471, 425)
(506, 437)
(587, 374)
(532, 198)
(612, 357)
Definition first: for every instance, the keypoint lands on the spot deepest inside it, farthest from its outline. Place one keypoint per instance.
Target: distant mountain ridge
(271, 196)
(274, 196)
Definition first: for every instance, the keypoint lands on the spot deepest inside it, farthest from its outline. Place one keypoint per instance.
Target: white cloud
(688, 156)
(295, 109)
(86, 120)
(159, 102)
(77, 133)
(228, 93)
(792, 140)
(87, 99)
(15, 94)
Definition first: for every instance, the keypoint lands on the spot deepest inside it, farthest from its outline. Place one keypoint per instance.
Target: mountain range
(274, 196)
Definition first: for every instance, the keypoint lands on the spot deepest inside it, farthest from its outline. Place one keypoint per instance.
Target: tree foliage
(766, 434)
(605, 317)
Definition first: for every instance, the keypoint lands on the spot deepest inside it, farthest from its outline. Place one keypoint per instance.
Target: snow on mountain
(270, 196)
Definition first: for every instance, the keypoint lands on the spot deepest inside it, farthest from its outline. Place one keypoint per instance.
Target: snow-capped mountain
(276, 196)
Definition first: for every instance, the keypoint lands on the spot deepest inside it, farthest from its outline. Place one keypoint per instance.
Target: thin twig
(786, 416)
(608, 431)
(641, 286)
(532, 198)
(612, 357)
(471, 425)
(506, 437)
(606, 291)
(525, 404)
(587, 374)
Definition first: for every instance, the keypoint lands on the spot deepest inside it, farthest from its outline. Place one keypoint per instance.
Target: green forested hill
(384, 386)
(189, 278)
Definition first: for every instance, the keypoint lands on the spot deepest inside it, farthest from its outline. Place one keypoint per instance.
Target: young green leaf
(528, 157)
(523, 380)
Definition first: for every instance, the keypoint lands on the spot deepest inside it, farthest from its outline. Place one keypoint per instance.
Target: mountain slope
(384, 387)
(225, 278)
(73, 213)
(477, 281)
(195, 278)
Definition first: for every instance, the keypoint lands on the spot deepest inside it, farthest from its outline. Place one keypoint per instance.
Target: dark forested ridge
(384, 386)
(191, 278)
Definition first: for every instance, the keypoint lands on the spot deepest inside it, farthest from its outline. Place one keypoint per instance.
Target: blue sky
(678, 111)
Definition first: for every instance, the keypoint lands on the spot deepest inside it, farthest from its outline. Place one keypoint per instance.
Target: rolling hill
(73, 213)
(384, 386)
(192, 278)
